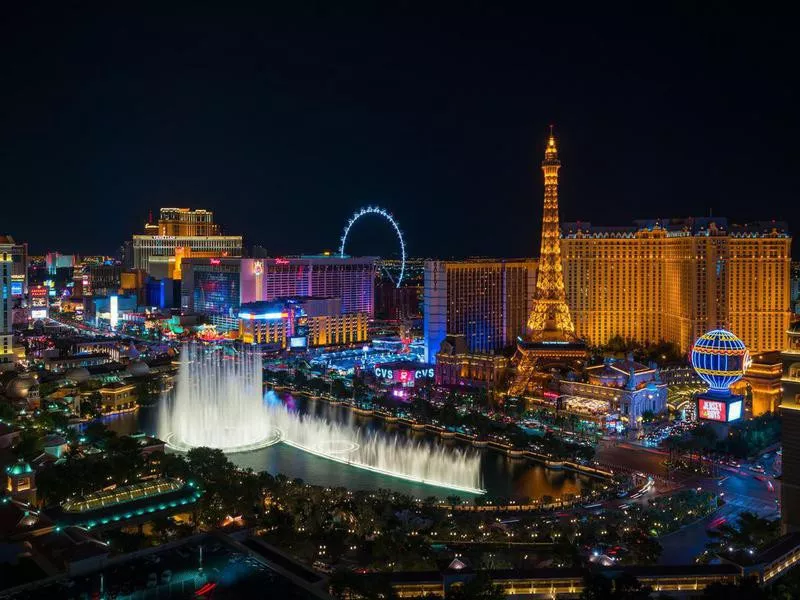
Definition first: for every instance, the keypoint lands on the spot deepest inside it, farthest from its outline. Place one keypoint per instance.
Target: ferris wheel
(375, 210)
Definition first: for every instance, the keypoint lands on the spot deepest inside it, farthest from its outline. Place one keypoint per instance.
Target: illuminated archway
(375, 210)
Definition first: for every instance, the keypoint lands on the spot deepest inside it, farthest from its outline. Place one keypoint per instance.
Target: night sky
(286, 125)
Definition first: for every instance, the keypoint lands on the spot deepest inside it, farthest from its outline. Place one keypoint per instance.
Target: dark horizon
(284, 126)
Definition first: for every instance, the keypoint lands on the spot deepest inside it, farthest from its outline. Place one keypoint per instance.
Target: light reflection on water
(502, 476)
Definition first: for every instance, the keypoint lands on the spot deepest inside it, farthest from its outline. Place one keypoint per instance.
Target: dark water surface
(502, 476)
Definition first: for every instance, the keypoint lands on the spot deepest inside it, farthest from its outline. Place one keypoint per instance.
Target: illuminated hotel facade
(485, 300)
(299, 323)
(6, 319)
(179, 234)
(219, 286)
(674, 279)
(790, 431)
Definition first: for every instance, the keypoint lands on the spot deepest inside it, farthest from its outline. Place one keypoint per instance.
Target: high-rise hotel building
(674, 279)
(790, 431)
(13, 284)
(180, 233)
(219, 286)
(485, 300)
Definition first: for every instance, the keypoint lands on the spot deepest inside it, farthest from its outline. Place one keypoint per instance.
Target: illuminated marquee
(713, 410)
(402, 375)
(267, 316)
(38, 295)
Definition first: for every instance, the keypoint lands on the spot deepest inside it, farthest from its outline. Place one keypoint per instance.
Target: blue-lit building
(485, 300)
(161, 293)
(627, 388)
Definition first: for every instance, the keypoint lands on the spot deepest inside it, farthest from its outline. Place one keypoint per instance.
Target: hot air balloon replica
(720, 359)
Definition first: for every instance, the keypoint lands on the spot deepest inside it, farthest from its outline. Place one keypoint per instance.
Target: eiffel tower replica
(551, 336)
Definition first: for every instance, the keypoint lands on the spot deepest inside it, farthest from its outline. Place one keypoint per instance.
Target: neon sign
(712, 410)
(269, 316)
(281, 261)
(213, 261)
(403, 375)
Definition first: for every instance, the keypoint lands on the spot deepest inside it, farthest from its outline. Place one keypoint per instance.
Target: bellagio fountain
(218, 402)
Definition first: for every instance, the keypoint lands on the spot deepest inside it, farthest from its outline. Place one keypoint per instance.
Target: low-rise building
(629, 387)
(299, 323)
(61, 364)
(118, 396)
(456, 366)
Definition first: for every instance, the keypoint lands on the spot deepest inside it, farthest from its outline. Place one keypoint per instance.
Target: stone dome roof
(78, 374)
(137, 367)
(53, 439)
(19, 387)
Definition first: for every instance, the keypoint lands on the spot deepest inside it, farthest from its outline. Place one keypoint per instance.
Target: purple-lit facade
(219, 286)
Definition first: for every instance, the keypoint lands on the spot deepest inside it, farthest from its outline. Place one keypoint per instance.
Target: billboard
(298, 342)
(39, 301)
(712, 410)
(719, 410)
(114, 309)
(38, 294)
(735, 410)
(16, 288)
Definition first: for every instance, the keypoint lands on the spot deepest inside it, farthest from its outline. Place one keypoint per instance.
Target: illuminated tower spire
(551, 334)
(550, 318)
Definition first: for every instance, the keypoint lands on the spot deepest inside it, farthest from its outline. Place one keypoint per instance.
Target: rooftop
(621, 366)
(682, 227)
(121, 495)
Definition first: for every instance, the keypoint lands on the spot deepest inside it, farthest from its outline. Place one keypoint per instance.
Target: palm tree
(750, 534)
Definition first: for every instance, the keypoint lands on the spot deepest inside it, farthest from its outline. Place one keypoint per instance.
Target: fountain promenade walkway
(444, 433)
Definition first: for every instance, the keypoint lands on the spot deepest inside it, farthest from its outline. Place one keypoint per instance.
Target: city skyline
(381, 304)
(264, 121)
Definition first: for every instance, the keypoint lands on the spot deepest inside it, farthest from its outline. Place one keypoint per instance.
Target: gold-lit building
(456, 366)
(790, 431)
(761, 384)
(674, 279)
(326, 330)
(118, 396)
(301, 323)
(180, 233)
(337, 330)
(184, 221)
